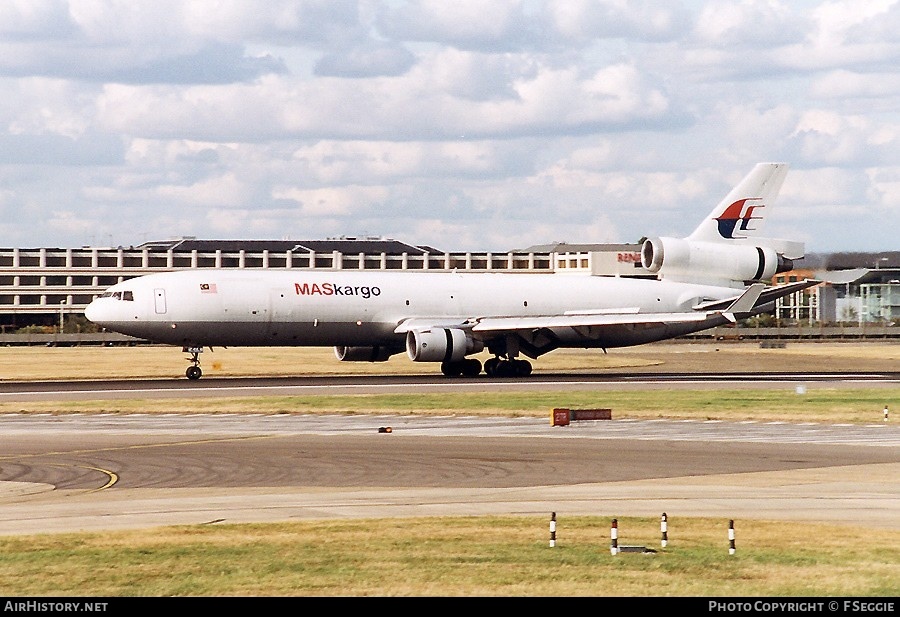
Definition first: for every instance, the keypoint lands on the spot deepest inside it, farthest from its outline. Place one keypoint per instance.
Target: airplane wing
(422, 323)
(732, 309)
(509, 324)
(490, 324)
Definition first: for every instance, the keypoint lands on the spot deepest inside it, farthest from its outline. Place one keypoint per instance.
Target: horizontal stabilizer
(745, 303)
(767, 295)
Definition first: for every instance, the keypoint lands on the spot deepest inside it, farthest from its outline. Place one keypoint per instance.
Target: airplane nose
(91, 312)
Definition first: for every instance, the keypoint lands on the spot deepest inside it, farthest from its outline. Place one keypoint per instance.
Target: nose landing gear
(193, 372)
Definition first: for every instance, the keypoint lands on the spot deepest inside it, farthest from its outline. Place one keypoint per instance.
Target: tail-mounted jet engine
(680, 259)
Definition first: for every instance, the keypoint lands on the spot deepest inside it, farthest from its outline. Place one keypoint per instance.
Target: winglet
(744, 303)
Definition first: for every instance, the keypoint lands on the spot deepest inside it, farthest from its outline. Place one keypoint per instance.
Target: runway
(388, 384)
(96, 472)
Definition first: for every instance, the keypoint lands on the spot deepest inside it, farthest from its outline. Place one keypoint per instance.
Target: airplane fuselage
(341, 308)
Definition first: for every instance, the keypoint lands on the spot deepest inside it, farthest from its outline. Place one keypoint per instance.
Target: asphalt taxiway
(386, 384)
(95, 472)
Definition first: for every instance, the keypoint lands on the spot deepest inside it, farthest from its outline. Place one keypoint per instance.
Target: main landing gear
(467, 367)
(514, 367)
(193, 372)
(494, 367)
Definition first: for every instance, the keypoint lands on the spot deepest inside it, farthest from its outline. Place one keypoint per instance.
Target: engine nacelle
(377, 353)
(681, 259)
(440, 345)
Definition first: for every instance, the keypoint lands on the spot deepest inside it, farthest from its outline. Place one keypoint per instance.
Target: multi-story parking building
(44, 286)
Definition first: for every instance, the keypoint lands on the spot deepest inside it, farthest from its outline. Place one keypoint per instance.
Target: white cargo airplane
(713, 277)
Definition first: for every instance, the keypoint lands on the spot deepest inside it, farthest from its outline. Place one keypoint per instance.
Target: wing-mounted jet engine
(373, 353)
(449, 346)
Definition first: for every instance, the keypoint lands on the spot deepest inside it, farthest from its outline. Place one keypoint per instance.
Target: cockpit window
(119, 295)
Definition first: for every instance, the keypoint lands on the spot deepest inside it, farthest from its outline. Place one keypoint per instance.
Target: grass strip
(457, 556)
(815, 404)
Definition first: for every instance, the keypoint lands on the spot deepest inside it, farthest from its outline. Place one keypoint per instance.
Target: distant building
(342, 244)
(858, 295)
(599, 259)
(41, 286)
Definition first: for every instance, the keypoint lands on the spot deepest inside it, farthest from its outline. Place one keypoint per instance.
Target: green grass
(817, 404)
(456, 556)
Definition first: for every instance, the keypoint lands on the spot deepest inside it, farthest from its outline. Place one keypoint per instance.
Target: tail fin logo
(738, 217)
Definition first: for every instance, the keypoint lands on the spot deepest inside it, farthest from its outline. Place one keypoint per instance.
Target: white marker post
(614, 537)
(731, 537)
(664, 529)
(552, 529)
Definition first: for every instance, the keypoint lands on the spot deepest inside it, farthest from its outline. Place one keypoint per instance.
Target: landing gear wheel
(497, 367)
(193, 373)
(490, 366)
(471, 368)
(451, 369)
(522, 368)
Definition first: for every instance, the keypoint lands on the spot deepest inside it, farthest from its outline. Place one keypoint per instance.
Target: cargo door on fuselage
(280, 319)
(159, 301)
(242, 302)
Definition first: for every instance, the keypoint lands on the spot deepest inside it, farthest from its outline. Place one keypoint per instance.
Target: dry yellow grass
(456, 556)
(149, 361)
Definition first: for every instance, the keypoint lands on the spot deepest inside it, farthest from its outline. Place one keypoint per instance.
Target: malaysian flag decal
(208, 288)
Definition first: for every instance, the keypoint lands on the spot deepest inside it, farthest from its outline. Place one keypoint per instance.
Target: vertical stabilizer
(726, 248)
(743, 211)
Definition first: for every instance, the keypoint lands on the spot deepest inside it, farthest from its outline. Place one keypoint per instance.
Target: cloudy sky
(465, 125)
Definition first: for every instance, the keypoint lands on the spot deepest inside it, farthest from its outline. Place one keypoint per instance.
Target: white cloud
(46, 106)
(587, 19)
(331, 202)
(844, 84)
(69, 223)
(459, 22)
(220, 191)
(30, 19)
(465, 125)
(831, 138)
(751, 24)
